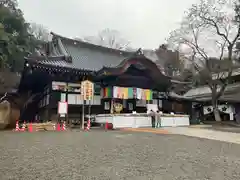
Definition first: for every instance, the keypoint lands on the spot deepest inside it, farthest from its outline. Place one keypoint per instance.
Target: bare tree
(209, 29)
(39, 32)
(109, 38)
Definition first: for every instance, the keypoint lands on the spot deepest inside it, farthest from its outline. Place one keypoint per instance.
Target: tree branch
(200, 20)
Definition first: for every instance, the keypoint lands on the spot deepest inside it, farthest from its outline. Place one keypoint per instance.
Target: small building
(229, 105)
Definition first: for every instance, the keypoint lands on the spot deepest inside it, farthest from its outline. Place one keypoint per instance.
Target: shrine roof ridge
(93, 46)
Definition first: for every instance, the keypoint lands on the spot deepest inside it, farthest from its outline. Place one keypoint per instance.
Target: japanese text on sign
(87, 90)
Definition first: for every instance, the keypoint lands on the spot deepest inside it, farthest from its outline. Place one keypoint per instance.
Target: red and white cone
(24, 126)
(88, 125)
(17, 126)
(64, 126)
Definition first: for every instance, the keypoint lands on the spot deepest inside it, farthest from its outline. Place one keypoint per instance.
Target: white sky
(145, 23)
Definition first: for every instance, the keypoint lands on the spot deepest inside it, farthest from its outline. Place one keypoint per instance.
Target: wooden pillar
(111, 106)
(48, 100)
(66, 98)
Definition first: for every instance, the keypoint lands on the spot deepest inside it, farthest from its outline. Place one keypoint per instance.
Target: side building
(229, 102)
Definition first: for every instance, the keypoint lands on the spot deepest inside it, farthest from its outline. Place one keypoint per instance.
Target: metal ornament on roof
(139, 51)
(106, 73)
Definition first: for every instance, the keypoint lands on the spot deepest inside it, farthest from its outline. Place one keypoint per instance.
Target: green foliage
(15, 39)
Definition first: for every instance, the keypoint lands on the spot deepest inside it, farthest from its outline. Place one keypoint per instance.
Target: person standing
(158, 119)
(153, 117)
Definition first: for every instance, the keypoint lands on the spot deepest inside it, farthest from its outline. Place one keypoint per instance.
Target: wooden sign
(87, 90)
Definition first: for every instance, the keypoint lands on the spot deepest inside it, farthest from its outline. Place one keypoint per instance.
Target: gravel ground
(115, 155)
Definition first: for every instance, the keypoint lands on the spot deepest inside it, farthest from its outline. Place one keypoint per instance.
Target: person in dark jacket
(152, 114)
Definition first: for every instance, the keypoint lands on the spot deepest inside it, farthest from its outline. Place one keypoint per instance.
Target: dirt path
(148, 130)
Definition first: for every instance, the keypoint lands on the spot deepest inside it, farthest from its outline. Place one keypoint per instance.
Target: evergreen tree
(15, 39)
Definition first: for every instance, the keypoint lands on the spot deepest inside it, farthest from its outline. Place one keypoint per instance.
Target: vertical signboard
(87, 93)
(62, 108)
(87, 90)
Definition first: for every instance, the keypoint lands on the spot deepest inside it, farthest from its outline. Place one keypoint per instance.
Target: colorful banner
(150, 97)
(115, 92)
(135, 93)
(107, 92)
(143, 94)
(127, 93)
(139, 93)
(130, 93)
(148, 94)
(119, 92)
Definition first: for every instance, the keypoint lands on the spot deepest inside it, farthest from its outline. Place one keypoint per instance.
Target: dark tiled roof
(70, 53)
(53, 62)
(85, 55)
(59, 63)
(92, 60)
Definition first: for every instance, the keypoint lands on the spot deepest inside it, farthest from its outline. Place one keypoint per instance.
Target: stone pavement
(193, 131)
(206, 133)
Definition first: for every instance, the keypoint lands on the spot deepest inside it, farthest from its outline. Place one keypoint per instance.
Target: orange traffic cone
(30, 127)
(58, 127)
(106, 126)
(17, 126)
(64, 126)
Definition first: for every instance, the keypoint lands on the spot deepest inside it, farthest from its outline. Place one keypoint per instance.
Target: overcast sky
(145, 23)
